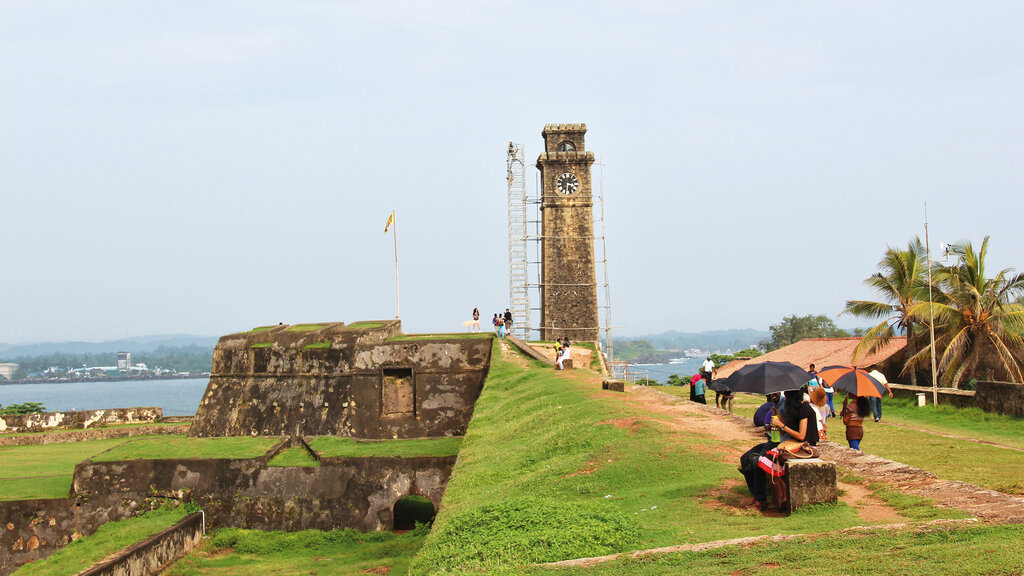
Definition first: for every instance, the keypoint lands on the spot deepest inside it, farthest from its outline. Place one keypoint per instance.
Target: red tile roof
(821, 352)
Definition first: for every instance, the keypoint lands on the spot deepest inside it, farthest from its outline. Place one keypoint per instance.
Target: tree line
(191, 358)
(978, 320)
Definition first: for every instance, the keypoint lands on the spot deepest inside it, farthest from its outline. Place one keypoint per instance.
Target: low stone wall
(529, 350)
(950, 396)
(92, 434)
(77, 419)
(153, 554)
(1001, 398)
(33, 529)
(355, 493)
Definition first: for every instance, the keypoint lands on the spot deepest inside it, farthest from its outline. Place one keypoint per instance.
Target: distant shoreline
(103, 379)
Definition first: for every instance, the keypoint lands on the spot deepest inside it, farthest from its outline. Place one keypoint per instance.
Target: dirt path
(739, 433)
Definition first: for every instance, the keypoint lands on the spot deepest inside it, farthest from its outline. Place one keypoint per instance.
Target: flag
(391, 220)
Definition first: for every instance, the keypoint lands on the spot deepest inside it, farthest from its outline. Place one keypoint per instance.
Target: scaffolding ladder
(518, 260)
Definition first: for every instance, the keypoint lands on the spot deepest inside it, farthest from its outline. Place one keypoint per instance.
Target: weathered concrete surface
(342, 381)
(32, 529)
(77, 419)
(811, 481)
(529, 350)
(153, 554)
(996, 397)
(343, 492)
(91, 434)
(1001, 398)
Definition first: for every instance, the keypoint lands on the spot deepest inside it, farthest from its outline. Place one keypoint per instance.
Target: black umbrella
(767, 378)
(720, 385)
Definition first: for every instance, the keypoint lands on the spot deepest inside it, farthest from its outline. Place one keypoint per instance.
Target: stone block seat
(614, 385)
(811, 481)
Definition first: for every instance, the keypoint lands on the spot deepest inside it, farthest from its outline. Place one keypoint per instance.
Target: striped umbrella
(852, 380)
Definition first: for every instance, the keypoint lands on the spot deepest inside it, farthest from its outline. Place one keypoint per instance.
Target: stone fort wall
(365, 380)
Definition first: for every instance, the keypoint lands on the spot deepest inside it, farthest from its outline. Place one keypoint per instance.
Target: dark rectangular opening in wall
(398, 392)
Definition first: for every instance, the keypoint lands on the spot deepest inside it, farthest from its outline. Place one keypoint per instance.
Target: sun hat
(818, 396)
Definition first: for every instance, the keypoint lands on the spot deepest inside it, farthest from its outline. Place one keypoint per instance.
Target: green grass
(363, 325)
(318, 346)
(236, 552)
(545, 474)
(294, 456)
(58, 486)
(108, 539)
(972, 422)
(982, 464)
(916, 507)
(449, 336)
(258, 329)
(178, 446)
(44, 470)
(988, 550)
(337, 447)
(262, 345)
(307, 327)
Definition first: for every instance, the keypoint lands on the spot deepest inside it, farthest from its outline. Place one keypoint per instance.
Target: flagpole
(931, 310)
(398, 307)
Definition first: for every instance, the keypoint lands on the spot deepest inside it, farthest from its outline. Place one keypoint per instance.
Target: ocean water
(661, 372)
(176, 397)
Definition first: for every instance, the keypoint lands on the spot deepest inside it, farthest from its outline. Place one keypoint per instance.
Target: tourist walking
(476, 319)
(508, 321)
(855, 410)
(876, 403)
(497, 325)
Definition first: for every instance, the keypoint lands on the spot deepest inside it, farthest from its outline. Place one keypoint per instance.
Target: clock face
(567, 183)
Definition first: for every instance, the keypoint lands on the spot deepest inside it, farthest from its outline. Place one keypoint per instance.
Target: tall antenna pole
(931, 310)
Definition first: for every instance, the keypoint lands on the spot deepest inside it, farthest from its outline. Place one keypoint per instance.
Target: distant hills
(711, 340)
(135, 345)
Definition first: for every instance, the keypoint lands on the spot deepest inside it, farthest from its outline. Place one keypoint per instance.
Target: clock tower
(568, 284)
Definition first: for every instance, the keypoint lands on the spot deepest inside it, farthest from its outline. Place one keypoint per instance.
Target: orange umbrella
(852, 380)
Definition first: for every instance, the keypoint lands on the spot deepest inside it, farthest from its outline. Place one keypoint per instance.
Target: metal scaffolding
(518, 259)
(524, 253)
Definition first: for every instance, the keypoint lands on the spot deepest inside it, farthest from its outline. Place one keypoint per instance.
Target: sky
(207, 167)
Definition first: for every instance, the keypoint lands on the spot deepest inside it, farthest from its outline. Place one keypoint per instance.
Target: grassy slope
(334, 446)
(179, 446)
(110, 538)
(543, 475)
(236, 552)
(987, 550)
(294, 456)
(44, 471)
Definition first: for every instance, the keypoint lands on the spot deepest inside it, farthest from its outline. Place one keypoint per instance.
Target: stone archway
(411, 509)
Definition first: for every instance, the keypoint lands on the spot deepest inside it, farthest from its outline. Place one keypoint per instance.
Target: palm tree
(979, 321)
(900, 282)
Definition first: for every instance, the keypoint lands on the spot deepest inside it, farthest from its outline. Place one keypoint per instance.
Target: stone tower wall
(568, 280)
